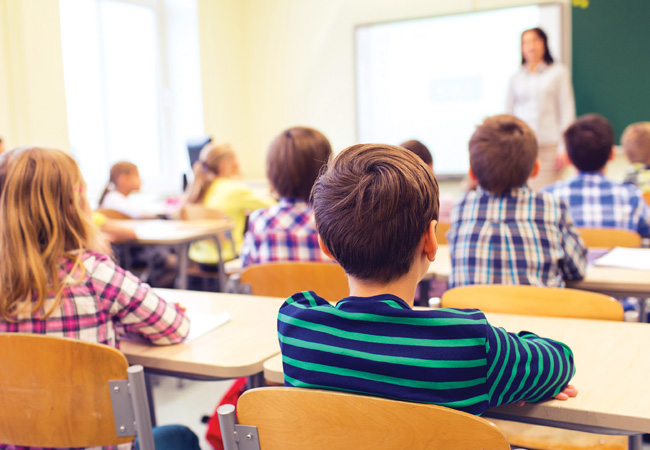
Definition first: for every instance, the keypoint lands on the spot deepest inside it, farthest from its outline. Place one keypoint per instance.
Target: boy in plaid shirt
(503, 232)
(595, 201)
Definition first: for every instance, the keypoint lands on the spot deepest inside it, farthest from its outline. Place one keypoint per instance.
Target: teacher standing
(541, 95)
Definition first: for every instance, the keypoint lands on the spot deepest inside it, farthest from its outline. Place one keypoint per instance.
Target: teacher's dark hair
(548, 59)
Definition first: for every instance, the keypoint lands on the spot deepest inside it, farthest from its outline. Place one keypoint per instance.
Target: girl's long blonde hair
(44, 218)
(206, 170)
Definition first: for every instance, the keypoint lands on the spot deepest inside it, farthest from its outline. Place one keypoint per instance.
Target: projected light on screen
(435, 79)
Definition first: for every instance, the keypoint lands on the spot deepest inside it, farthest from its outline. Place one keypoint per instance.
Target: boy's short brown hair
(636, 142)
(294, 160)
(502, 153)
(372, 206)
(589, 141)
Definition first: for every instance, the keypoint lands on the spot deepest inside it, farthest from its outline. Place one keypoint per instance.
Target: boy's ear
(430, 241)
(325, 249)
(535, 171)
(471, 175)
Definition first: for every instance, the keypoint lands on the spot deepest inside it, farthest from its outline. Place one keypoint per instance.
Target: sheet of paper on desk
(627, 258)
(201, 324)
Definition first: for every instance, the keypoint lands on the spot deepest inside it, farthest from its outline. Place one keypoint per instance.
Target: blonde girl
(214, 188)
(59, 280)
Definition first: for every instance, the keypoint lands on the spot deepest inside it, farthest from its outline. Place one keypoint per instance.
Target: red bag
(213, 435)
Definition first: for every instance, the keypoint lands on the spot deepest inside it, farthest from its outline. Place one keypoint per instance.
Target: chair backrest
(609, 237)
(441, 231)
(196, 211)
(534, 301)
(55, 392)
(113, 214)
(282, 279)
(295, 418)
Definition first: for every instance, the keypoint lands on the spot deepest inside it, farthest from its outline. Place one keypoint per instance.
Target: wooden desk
(612, 367)
(235, 349)
(178, 234)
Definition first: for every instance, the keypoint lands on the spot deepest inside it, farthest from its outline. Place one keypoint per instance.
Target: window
(132, 81)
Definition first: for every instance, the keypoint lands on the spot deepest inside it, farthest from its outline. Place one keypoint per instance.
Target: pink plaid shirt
(282, 232)
(105, 300)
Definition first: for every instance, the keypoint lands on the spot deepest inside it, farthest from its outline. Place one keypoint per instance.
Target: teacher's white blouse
(544, 100)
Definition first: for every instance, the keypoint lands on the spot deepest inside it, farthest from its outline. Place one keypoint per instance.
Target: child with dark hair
(503, 232)
(446, 201)
(286, 231)
(376, 209)
(595, 201)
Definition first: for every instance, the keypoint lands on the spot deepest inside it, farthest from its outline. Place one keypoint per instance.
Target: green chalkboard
(611, 60)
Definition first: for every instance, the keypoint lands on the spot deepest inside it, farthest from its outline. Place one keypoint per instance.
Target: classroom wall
(299, 60)
(224, 72)
(32, 96)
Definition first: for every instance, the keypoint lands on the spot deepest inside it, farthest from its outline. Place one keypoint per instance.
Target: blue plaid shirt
(519, 237)
(282, 232)
(596, 202)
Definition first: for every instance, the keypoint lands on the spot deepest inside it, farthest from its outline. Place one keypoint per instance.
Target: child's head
(589, 142)
(214, 161)
(636, 142)
(124, 177)
(44, 216)
(372, 206)
(502, 153)
(294, 161)
(419, 149)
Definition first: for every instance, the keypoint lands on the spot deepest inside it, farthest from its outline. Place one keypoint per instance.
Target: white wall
(298, 66)
(32, 96)
(266, 65)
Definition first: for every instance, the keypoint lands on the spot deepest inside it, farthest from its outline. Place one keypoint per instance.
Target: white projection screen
(435, 79)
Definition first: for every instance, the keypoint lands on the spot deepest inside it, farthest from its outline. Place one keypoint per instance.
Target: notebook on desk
(626, 258)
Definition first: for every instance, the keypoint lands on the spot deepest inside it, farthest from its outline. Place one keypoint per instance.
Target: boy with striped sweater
(376, 209)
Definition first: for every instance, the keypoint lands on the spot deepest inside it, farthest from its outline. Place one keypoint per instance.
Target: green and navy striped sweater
(450, 357)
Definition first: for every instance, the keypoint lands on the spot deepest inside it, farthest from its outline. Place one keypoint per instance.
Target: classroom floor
(187, 402)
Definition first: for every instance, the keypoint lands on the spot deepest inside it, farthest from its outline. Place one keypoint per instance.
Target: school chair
(609, 237)
(294, 418)
(534, 301)
(283, 279)
(113, 214)
(195, 211)
(549, 302)
(59, 392)
(646, 196)
(441, 231)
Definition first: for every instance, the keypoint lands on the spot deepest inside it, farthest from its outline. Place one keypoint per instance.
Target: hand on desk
(569, 391)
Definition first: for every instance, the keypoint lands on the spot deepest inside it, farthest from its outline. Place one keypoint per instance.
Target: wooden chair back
(283, 279)
(534, 301)
(55, 392)
(609, 237)
(441, 231)
(295, 418)
(196, 211)
(113, 214)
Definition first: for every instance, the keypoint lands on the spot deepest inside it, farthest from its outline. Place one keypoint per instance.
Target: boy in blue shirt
(594, 200)
(376, 209)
